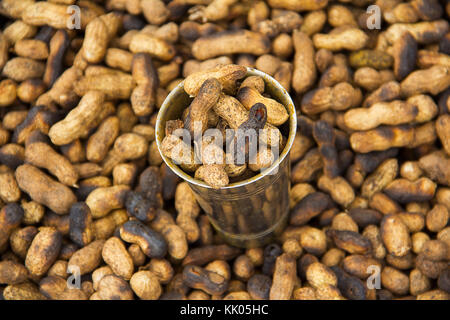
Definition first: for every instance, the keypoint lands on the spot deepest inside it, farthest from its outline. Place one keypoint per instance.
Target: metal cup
(251, 212)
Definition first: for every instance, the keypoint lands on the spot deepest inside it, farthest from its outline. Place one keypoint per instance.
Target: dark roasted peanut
(141, 207)
(309, 207)
(151, 242)
(208, 281)
(201, 256)
(405, 191)
(325, 137)
(81, 226)
(350, 241)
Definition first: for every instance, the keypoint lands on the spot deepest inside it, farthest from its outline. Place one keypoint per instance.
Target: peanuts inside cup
(225, 126)
(246, 198)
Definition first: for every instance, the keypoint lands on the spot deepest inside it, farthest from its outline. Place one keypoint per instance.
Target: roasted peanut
(325, 137)
(58, 46)
(338, 39)
(188, 209)
(437, 80)
(340, 97)
(68, 129)
(276, 112)
(380, 113)
(20, 240)
(395, 235)
(436, 219)
(86, 259)
(151, 242)
(208, 281)
(229, 42)
(11, 216)
(143, 97)
(180, 152)
(350, 241)
(117, 257)
(203, 255)
(339, 189)
(435, 165)
(43, 251)
(383, 175)
(206, 98)
(112, 287)
(405, 191)
(386, 92)
(12, 273)
(21, 69)
(10, 191)
(81, 227)
(382, 138)
(227, 76)
(395, 280)
(114, 85)
(102, 200)
(423, 32)
(152, 45)
(43, 189)
(99, 142)
(146, 285)
(370, 58)
(313, 240)
(443, 131)
(310, 206)
(96, 41)
(42, 155)
(318, 275)
(283, 278)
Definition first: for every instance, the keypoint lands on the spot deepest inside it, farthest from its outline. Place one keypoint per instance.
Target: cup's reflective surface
(251, 212)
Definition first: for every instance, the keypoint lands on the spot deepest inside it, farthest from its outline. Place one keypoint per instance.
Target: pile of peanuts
(86, 199)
